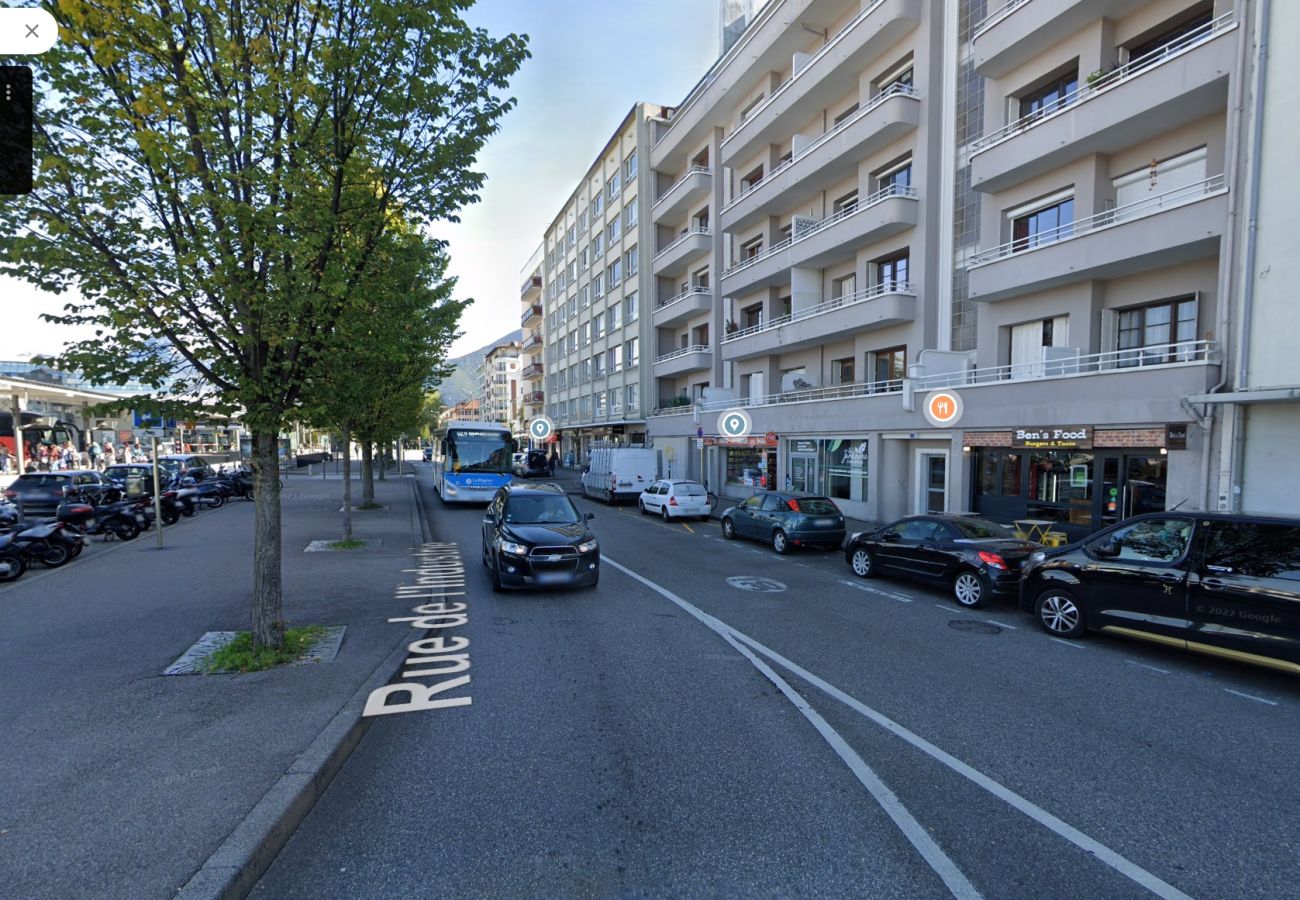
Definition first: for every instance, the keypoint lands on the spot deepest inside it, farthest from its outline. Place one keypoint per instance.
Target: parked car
(136, 479)
(187, 464)
(973, 557)
(533, 536)
(428, 454)
(530, 463)
(40, 493)
(675, 499)
(1218, 583)
(619, 473)
(785, 520)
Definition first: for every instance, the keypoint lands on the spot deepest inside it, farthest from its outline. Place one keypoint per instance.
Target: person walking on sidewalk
(96, 454)
(550, 463)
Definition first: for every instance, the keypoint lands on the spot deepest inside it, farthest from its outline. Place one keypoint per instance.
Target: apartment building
(499, 386)
(594, 285)
(532, 366)
(1030, 205)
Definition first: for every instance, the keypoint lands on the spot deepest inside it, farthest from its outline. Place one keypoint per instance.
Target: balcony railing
(894, 90)
(531, 283)
(670, 407)
(532, 371)
(812, 61)
(530, 313)
(1138, 209)
(1119, 75)
(693, 170)
(689, 292)
(862, 296)
(534, 340)
(1061, 367)
(535, 397)
(894, 190)
(685, 351)
(997, 16)
(685, 235)
(810, 395)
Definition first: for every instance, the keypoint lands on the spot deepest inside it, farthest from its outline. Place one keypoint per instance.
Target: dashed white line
(870, 590)
(1134, 662)
(1069, 644)
(944, 606)
(1252, 697)
(1002, 624)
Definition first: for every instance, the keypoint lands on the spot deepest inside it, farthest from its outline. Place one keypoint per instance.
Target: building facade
(499, 397)
(532, 365)
(866, 202)
(594, 288)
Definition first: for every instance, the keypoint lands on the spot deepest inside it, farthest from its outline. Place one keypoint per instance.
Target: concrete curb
(237, 864)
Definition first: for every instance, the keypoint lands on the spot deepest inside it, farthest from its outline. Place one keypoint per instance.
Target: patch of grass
(349, 544)
(239, 656)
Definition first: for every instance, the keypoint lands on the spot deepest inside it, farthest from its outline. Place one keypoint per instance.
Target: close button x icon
(31, 31)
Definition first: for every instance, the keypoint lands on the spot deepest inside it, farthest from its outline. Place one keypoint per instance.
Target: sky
(591, 61)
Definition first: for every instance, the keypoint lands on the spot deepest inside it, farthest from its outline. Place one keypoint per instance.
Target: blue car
(785, 521)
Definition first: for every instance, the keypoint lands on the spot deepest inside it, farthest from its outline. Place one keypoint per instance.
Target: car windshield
(817, 506)
(981, 529)
(689, 489)
(540, 510)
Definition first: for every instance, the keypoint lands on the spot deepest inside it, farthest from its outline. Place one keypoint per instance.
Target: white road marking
(1089, 845)
(1251, 697)
(1071, 644)
(944, 606)
(916, 834)
(870, 590)
(1134, 662)
(1002, 624)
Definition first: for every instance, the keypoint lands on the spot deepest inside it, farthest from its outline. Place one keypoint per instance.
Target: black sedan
(40, 493)
(533, 536)
(973, 557)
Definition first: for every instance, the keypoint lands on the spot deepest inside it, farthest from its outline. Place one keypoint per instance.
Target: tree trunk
(268, 597)
(347, 484)
(367, 473)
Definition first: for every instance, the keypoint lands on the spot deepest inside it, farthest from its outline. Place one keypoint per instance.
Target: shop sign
(1053, 437)
(1176, 436)
(751, 441)
(803, 446)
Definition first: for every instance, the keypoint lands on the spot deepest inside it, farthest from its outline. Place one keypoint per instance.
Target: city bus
(471, 460)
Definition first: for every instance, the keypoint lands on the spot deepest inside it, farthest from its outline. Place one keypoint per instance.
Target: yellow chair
(1055, 539)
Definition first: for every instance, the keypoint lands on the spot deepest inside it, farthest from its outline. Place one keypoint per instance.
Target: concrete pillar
(20, 448)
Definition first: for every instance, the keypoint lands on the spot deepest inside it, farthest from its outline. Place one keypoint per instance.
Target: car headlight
(587, 546)
(513, 549)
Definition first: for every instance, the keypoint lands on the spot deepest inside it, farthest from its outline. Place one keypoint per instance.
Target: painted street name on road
(440, 574)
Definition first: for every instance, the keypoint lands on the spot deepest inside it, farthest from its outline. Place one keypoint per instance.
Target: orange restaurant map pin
(943, 408)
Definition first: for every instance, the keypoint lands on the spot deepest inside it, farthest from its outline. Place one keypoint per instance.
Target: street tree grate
(328, 546)
(191, 662)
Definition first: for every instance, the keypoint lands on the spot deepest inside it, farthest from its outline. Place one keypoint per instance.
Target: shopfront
(748, 463)
(834, 467)
(1078, 477)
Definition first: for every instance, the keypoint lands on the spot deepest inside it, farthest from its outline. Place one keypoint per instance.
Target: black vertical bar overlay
(15, 130)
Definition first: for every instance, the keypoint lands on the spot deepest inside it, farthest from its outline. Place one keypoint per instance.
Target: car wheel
(1059, 613)
(864, 566)
(126, 529)
(664, 512)
(55, 556)
(640, 507)
(780, 543)
(497, 586)
(968, 589)
(728, 530)
(17, 566)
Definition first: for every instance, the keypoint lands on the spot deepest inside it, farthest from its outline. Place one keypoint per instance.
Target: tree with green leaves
(215, 180)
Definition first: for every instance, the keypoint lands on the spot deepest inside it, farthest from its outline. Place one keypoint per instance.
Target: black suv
(1218, 583)
(40, 493)
(533, 536)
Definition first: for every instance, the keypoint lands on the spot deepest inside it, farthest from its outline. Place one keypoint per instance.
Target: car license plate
(823, 523)
(552, 577)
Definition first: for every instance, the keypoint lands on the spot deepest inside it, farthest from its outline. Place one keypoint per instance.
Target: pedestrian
(109, 457)
(4, 459)
(71, 456)
(95, 452)
(550, 463)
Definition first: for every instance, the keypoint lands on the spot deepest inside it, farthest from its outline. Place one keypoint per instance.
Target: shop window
(843, 468)
(999, 473)
(746, 466)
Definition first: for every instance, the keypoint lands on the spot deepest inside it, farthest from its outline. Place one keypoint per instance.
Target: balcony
(532, 371)
(811, 395)
(689, 303)
(687, 359)
(826, 76)
(830, 158)
(531, 289)
(1155, 232)
(673, 406)
(533, 341)
(535, 397)
(1016, 31)
(682, 194)
(816, 243)
(875, 307)
(1148, 96)
(530, 313)
(677, 256)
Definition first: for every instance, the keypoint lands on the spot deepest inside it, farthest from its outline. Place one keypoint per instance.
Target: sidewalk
(117, 781)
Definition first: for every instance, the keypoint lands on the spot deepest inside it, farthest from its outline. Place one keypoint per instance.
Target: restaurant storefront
(1077, 477)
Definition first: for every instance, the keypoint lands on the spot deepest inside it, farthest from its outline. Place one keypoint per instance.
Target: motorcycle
(206, 492)
(238, 482)
(124, 519)
(49, 543)
(9, 515)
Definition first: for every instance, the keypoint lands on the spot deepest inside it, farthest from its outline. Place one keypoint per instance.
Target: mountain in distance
(463, 383)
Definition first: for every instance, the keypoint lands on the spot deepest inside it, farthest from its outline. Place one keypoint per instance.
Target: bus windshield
(478, 452)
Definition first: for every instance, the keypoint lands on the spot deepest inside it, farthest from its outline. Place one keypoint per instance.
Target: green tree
(215, 179)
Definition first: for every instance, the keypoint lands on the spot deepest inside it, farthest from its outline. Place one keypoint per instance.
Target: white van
(619, 473)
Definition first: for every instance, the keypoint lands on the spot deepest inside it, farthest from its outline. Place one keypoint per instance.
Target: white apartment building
(1031, 204)
(499, 399)
(594, 285)
(532, 366)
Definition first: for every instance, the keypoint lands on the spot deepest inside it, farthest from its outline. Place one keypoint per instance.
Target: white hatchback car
(675, 499)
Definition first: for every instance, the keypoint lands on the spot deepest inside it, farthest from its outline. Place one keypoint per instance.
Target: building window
(582, 258)
(629, 215)
(839, 120)
(598, 285)
(842, 370)
(615, 404)
(751, 181)
(1054, 94)
(611, 187)
(614, 359)
(1043, 226)
(896, 178)
(597, 207)
(597, 246)
(598, 365)
(900, 75)
(891, 272)
(629, 166)
(631, 352)
(585, 331)
(630, 307)
(751, 316)
(585, 368)
(612, 315)
(597, 325)
(751, 248)
(613, 232)
(1171, 40)
(632, 398)
(844, 286)
(888, 368)
(846, 204)
(1157, 333)
(630, 258)
(582, 220)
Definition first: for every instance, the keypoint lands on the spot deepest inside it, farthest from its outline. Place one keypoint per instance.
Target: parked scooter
(50, 543)
(124, 519)
(207, 492)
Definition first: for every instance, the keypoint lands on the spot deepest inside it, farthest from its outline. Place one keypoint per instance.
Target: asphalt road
(671, 733)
